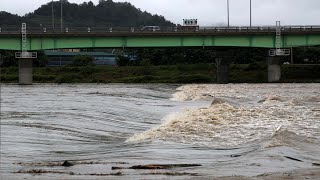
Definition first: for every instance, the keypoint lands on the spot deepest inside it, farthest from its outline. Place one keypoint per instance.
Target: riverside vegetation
(180, 73)
(178, 65)
(175, 65)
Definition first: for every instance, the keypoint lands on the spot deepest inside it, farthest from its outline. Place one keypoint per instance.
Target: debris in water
(235, 155)
(315, 164)
(111, 174)
(67, 164)
(171, 174)
(277, 130)
(40, 171)
(293, 158)
(52, 164)
(157, 166)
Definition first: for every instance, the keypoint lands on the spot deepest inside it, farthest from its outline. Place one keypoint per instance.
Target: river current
(104, 129)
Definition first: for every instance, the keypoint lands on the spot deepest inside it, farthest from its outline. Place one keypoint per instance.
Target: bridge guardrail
(173, 29)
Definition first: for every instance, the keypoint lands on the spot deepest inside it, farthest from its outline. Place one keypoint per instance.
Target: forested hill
(9, 19)
(106, 13)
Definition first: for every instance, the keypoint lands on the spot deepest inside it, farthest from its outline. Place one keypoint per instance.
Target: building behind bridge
(65, 57)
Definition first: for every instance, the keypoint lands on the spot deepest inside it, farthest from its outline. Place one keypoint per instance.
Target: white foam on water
(224, 124)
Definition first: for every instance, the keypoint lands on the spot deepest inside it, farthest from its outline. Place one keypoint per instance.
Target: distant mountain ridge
(106, 13)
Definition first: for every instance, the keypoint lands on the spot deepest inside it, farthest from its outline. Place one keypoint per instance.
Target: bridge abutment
(25, 71)
(274, 69)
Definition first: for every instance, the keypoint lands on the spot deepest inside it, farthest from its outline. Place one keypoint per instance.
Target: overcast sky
(208, 12)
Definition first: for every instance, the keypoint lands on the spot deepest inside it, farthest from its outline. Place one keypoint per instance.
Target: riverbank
(186, 73)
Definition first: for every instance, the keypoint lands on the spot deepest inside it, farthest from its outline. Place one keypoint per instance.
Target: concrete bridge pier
(223, 61)
(223, 66)
(25, 71)
(274, 69)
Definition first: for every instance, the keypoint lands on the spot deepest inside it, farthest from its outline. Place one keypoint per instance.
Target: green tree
(8, 59)
(82, 61)
(122, 60)
(41, 60)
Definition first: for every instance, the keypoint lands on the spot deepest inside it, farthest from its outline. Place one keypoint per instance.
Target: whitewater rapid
(239, 115)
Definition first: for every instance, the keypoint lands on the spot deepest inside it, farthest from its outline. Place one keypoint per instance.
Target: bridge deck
(219, 37)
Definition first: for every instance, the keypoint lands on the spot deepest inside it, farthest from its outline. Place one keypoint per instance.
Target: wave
(285, 137)
(221, 124)
(191, 92)
(227, 124)
(272, 98)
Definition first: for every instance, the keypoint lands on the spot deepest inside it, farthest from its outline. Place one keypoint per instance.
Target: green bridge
(278, 39)
(261, 39)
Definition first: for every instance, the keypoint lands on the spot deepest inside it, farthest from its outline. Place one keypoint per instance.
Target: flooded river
(199, 131)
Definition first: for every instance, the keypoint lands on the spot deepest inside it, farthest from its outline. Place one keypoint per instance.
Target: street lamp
(228, 13)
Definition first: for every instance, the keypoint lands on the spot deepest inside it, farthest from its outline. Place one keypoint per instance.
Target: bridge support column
(223, 70)
(223, 61)
(25, 71)
(274, 69)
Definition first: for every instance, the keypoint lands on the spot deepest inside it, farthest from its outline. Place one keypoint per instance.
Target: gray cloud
(208, 12)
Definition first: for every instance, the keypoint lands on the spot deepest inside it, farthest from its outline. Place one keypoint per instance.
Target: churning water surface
(226, 130)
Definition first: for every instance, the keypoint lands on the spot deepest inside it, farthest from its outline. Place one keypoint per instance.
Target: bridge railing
(172, 29)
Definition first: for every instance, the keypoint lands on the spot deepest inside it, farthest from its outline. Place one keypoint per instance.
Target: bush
(122, 60)
(82, 61)
(44, 78)
(68, 78)
(196, 78)
(256, 66)
(9, 78)
(140, 79)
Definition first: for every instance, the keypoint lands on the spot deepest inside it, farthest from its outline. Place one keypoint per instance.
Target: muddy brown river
(104, 131)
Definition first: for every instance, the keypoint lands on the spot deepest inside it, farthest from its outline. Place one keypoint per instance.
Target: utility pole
(61, 1)
(228, 13)
(52, 16)
(250, 14)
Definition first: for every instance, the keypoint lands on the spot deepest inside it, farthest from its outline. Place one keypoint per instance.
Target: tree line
(105, 13)
(171, 56)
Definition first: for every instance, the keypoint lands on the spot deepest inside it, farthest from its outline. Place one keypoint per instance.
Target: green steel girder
(43, 42)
